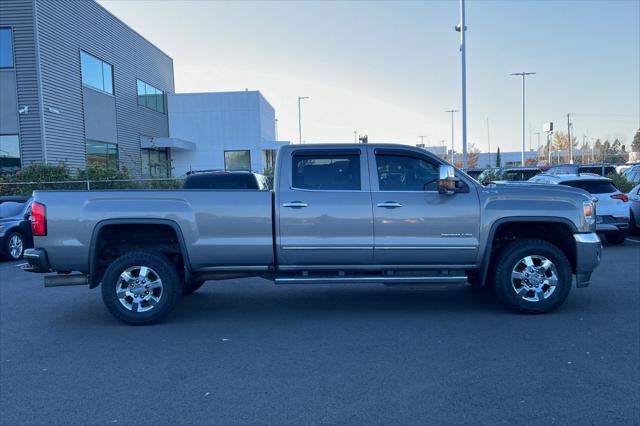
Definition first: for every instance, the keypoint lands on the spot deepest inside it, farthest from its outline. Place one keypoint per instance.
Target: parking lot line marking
(633, 241)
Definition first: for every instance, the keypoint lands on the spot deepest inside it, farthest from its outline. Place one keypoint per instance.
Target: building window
(150, 97)
(6, 48)
(237, 160)
(155, 163)
(269, 160)
(9, 153)
(96, 73)
(102, 154)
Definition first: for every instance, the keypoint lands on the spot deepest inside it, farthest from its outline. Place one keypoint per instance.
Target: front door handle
(389, 205)
(295, 205)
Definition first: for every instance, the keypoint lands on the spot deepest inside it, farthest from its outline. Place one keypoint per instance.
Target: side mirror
(447, 180)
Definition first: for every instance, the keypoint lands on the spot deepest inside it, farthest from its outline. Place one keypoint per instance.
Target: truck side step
(65, 280)
(370, 280)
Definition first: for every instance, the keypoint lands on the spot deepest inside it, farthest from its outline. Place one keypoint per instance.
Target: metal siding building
(220, 126)
(63, 112)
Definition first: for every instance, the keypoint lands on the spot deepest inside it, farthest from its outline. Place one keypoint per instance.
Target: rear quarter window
(592, 186)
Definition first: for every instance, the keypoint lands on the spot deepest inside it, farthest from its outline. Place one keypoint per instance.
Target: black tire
(167, 297)
(8, 244)
(616, 237)
(191, 287)
(633, 225)
(509, 257)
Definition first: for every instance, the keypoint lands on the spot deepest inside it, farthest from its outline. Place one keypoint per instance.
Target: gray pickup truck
(387, 214)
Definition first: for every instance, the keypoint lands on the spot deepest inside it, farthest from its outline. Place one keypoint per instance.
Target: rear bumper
(588, 256)
(612, 224)
(37, 261)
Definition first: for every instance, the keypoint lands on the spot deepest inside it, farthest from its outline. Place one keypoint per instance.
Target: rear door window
(326, 172)
(592, 186)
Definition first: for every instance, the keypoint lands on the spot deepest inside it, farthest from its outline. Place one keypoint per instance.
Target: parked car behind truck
(15, 227)
(612, 206)
(371, 213)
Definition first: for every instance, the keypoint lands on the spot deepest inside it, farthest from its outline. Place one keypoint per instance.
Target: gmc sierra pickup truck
(387, 214)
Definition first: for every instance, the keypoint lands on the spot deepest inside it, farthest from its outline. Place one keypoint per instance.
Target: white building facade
(223, 130)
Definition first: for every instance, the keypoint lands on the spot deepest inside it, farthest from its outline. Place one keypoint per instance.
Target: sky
(391, 69)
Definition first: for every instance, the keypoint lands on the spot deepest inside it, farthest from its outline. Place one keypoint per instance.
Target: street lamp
(300, 98)
(452, 111)
(462, 29)
(523, 75)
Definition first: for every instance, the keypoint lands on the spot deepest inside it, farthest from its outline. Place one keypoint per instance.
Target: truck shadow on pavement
(212, 302)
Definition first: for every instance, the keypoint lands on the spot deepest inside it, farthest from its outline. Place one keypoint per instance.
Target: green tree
(473, 154)
(498, 159)
(635, 145)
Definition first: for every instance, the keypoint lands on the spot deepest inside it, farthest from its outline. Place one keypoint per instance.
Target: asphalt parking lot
(249, 352)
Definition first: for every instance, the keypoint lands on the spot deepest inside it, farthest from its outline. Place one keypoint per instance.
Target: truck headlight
(589, 212)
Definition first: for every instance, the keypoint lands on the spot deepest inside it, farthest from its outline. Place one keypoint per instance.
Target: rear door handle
(389, 205)
(295, 205)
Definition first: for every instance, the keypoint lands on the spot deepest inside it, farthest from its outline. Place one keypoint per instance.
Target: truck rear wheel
(141, 287)
(532, 276)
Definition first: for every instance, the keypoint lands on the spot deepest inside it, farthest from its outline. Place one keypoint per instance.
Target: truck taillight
(622, 197)
(38, 219)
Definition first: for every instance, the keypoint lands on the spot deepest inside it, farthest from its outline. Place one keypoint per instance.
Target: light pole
(488, 141)
(523, 75)
(452, 111)
(355, 136)
(276, 128)
(300, 98)
(569, 138)
(538, 154)
(422, 140)
(462, 29)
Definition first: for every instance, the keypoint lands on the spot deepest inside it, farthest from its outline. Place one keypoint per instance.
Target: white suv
(612, 206)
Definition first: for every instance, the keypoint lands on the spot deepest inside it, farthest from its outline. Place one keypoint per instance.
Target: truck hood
(531, 201)
(536, 190)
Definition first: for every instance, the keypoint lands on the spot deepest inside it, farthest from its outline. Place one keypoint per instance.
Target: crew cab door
(415, 224)
(323, 207)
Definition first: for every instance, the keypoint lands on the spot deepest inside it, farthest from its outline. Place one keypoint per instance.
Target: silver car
(634, 205)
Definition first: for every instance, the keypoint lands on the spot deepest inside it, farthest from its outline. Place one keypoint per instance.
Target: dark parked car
(576, 169)
(474, 173)
(508, 174)
(15, 227)
(226, 179)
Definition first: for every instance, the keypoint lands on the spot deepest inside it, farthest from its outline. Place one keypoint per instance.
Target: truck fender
(138, 221)
(484, 265)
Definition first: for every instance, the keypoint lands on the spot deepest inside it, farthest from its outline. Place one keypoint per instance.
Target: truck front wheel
(141, 287)
(532, 276)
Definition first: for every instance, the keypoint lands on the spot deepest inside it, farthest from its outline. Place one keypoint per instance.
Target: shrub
(621, 182)
(31, 178)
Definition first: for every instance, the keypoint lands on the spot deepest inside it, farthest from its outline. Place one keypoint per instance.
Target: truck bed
(219, 228)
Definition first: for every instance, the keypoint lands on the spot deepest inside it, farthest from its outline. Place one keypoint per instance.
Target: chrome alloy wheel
(534, 278)
(139, 288)
(15, 246)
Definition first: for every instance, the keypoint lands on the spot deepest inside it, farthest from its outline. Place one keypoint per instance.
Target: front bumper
(588, 256)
